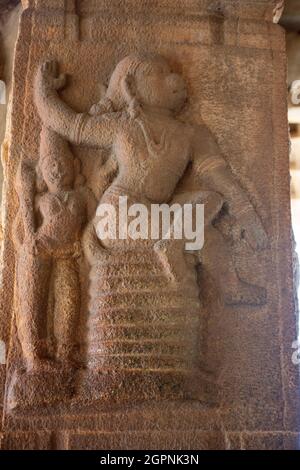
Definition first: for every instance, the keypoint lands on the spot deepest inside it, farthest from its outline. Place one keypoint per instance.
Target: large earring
(40, 184)
(133, 106)
(104, 106)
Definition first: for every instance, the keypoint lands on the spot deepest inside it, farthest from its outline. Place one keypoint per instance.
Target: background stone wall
(10, 11)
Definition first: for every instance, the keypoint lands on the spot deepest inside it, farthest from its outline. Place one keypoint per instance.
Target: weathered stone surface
(160, 348)
(151, 440)
(263, 441)
(27, 441)
(8, 34)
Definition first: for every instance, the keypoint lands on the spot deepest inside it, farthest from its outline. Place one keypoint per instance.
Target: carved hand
(36, 244)
(48, 77)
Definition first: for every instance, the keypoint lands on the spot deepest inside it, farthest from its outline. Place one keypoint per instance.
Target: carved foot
(246, 294)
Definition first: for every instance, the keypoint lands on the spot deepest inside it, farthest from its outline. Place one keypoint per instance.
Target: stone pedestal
(232, 57)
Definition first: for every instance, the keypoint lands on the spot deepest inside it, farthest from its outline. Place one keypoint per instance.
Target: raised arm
(77, 128)
(214, 172)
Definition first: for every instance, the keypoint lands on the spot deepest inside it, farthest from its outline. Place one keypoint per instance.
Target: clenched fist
(48, 77)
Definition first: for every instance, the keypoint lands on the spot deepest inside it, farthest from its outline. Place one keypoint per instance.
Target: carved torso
(142, 171)
(63, 215)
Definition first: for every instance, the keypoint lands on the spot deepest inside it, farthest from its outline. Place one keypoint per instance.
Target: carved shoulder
(204, 142)
(99, 131)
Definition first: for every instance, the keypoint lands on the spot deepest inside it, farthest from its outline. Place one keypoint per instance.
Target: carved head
(56, 163)
(148, 81)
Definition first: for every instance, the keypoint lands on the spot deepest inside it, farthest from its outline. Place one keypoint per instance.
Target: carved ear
(129, 94)
(128, 88)
(103, 90)
(41, 186)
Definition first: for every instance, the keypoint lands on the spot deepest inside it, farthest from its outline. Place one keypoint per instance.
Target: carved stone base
(53, 387)
(138, 386)
(43, 388)
(190, 440)
(153, 425)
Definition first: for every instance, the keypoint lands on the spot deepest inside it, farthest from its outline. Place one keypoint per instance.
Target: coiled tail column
(143, 330)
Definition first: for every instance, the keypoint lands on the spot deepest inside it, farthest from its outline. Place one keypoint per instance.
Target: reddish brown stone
(139, 345)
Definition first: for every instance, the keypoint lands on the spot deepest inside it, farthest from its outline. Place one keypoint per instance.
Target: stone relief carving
(144, 314)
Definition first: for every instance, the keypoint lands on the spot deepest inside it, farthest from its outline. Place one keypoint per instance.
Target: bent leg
(216, 257)
(172, 252)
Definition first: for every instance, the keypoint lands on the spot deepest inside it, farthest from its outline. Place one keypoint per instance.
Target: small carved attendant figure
(52, 214)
